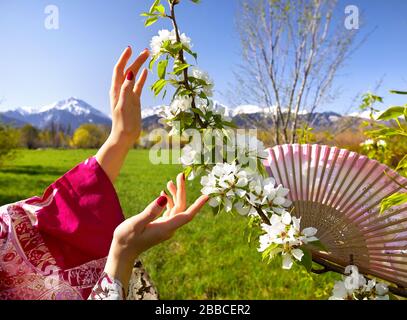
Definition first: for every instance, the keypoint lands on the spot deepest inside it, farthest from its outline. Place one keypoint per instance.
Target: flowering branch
(236, 181)
(181, 58)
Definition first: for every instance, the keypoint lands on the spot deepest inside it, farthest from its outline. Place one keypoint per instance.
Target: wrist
(121, 141)
(119, 264)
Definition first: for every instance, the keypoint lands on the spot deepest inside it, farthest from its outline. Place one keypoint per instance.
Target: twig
(182, 60)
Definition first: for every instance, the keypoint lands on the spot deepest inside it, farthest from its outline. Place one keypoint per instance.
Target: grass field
(208, 259)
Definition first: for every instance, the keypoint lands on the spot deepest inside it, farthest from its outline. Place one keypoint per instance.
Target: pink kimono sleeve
(79, 214)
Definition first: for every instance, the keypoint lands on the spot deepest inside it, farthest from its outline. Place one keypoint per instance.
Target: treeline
(55, 136)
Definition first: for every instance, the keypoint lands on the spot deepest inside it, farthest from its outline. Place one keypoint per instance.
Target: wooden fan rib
(350, 205)
(373, 233)
(274, 159)
(389, 241)
(294, 173)
(331, 195)
(390, 183)
(365, 270)
(333, 164)
(345, 177)
(394, 270)
(324, 161)
(349, 192)
(300, 147)
(286, 175)
(380, 219)
(388, 261)
(315, 170)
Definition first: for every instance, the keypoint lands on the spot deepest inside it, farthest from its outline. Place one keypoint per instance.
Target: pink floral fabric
(54, 246)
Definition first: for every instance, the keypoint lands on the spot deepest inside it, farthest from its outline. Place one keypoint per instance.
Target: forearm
(119, 266)
(112, 154)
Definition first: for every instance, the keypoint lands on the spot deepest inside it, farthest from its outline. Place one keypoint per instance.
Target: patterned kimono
(55, 247)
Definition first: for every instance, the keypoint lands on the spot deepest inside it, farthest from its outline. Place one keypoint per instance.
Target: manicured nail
(162, 201)
(130, 75)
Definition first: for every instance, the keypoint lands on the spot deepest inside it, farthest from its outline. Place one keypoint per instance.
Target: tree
(8, 142)
(291, 54)
(30, 136)
(89, 136)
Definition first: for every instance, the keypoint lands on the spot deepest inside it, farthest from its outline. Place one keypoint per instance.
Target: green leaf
(194, 54)
(150, 21)
(267, 253)
(162, 68)
(154, 5)
(172, 48)
(160, 8)
(319, 245)
(152, 61)
(402, 165)
(158, 86)
(306, 259)
(187, 171)
(147, 14)
(392, 113)
(196, 1)
(398, 92)
(178, 68)
(393, 200)
(229, 124)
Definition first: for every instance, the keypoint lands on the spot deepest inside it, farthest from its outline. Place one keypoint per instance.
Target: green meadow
(208, 259)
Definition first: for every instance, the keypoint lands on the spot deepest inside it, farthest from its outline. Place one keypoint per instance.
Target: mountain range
(72, 112)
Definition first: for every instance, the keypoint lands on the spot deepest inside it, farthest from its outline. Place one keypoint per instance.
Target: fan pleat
(339, 192)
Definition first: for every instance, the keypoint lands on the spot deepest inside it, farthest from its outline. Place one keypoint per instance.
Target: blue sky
(40, 66)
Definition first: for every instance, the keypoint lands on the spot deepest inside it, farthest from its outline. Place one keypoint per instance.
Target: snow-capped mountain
(73, 112)
(69, 113)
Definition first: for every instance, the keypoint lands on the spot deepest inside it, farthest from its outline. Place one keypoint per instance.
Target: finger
(173, 190)
(153, 210)
(183, 218)
(168, 209)
(138, 88)
(181, 193)
(128, 85)
(136, 65)
(170, 205)
(118, 71)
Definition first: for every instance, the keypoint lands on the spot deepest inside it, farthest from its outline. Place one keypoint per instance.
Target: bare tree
(292, 51)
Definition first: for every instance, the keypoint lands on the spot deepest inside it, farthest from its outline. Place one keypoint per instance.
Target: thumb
(153, 210)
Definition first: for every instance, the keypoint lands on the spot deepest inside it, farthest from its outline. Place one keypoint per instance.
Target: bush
(9, 139)
(89, 136)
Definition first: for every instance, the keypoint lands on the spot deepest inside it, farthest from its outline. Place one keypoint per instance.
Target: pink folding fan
(339, 193)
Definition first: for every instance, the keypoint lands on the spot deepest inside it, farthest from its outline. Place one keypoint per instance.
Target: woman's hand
(147, 229)
(125, 96)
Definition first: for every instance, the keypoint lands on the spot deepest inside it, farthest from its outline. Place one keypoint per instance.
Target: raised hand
(125, 103)
(147, 229)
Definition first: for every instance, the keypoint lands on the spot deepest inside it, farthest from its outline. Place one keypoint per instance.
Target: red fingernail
(162, 201)
(130, 75)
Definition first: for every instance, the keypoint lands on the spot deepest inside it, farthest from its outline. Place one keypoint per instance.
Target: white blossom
(166, 35)
(283, 236)
(354, 286)
(202, 75)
